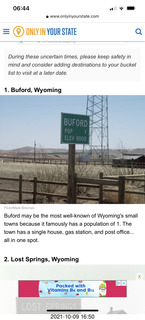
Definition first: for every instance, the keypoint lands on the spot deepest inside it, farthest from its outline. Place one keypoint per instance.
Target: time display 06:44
(19, 8)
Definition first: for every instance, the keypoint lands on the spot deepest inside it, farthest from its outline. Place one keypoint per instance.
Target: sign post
(74, 130)
(71, 191)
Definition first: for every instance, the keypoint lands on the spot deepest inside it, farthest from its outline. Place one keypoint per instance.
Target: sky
(24, 119)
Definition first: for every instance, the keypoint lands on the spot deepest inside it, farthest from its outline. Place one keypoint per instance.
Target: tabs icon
(18, 31)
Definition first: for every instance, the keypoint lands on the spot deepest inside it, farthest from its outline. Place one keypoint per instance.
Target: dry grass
(112, 197)
(53, 172)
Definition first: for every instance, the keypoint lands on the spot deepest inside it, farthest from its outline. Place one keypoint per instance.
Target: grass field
(55, 172)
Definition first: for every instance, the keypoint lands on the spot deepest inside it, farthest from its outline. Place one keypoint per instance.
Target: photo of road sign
(74, 128)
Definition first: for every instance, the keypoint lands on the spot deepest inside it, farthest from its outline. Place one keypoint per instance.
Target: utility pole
(34, 151)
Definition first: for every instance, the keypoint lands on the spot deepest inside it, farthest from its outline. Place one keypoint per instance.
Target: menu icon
(6, 31)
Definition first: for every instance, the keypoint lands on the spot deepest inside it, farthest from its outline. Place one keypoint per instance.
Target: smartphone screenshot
(72, 159)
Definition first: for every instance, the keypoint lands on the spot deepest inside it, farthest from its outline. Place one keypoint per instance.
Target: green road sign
(74, 128)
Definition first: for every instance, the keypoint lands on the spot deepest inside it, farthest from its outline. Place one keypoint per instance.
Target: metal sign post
(74, 130)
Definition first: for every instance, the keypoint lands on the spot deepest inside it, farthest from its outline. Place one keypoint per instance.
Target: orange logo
(18, 31)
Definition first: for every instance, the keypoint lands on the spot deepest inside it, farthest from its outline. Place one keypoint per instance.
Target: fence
(131, 178)
(47, 160)
(55, 159)
(118, 182)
